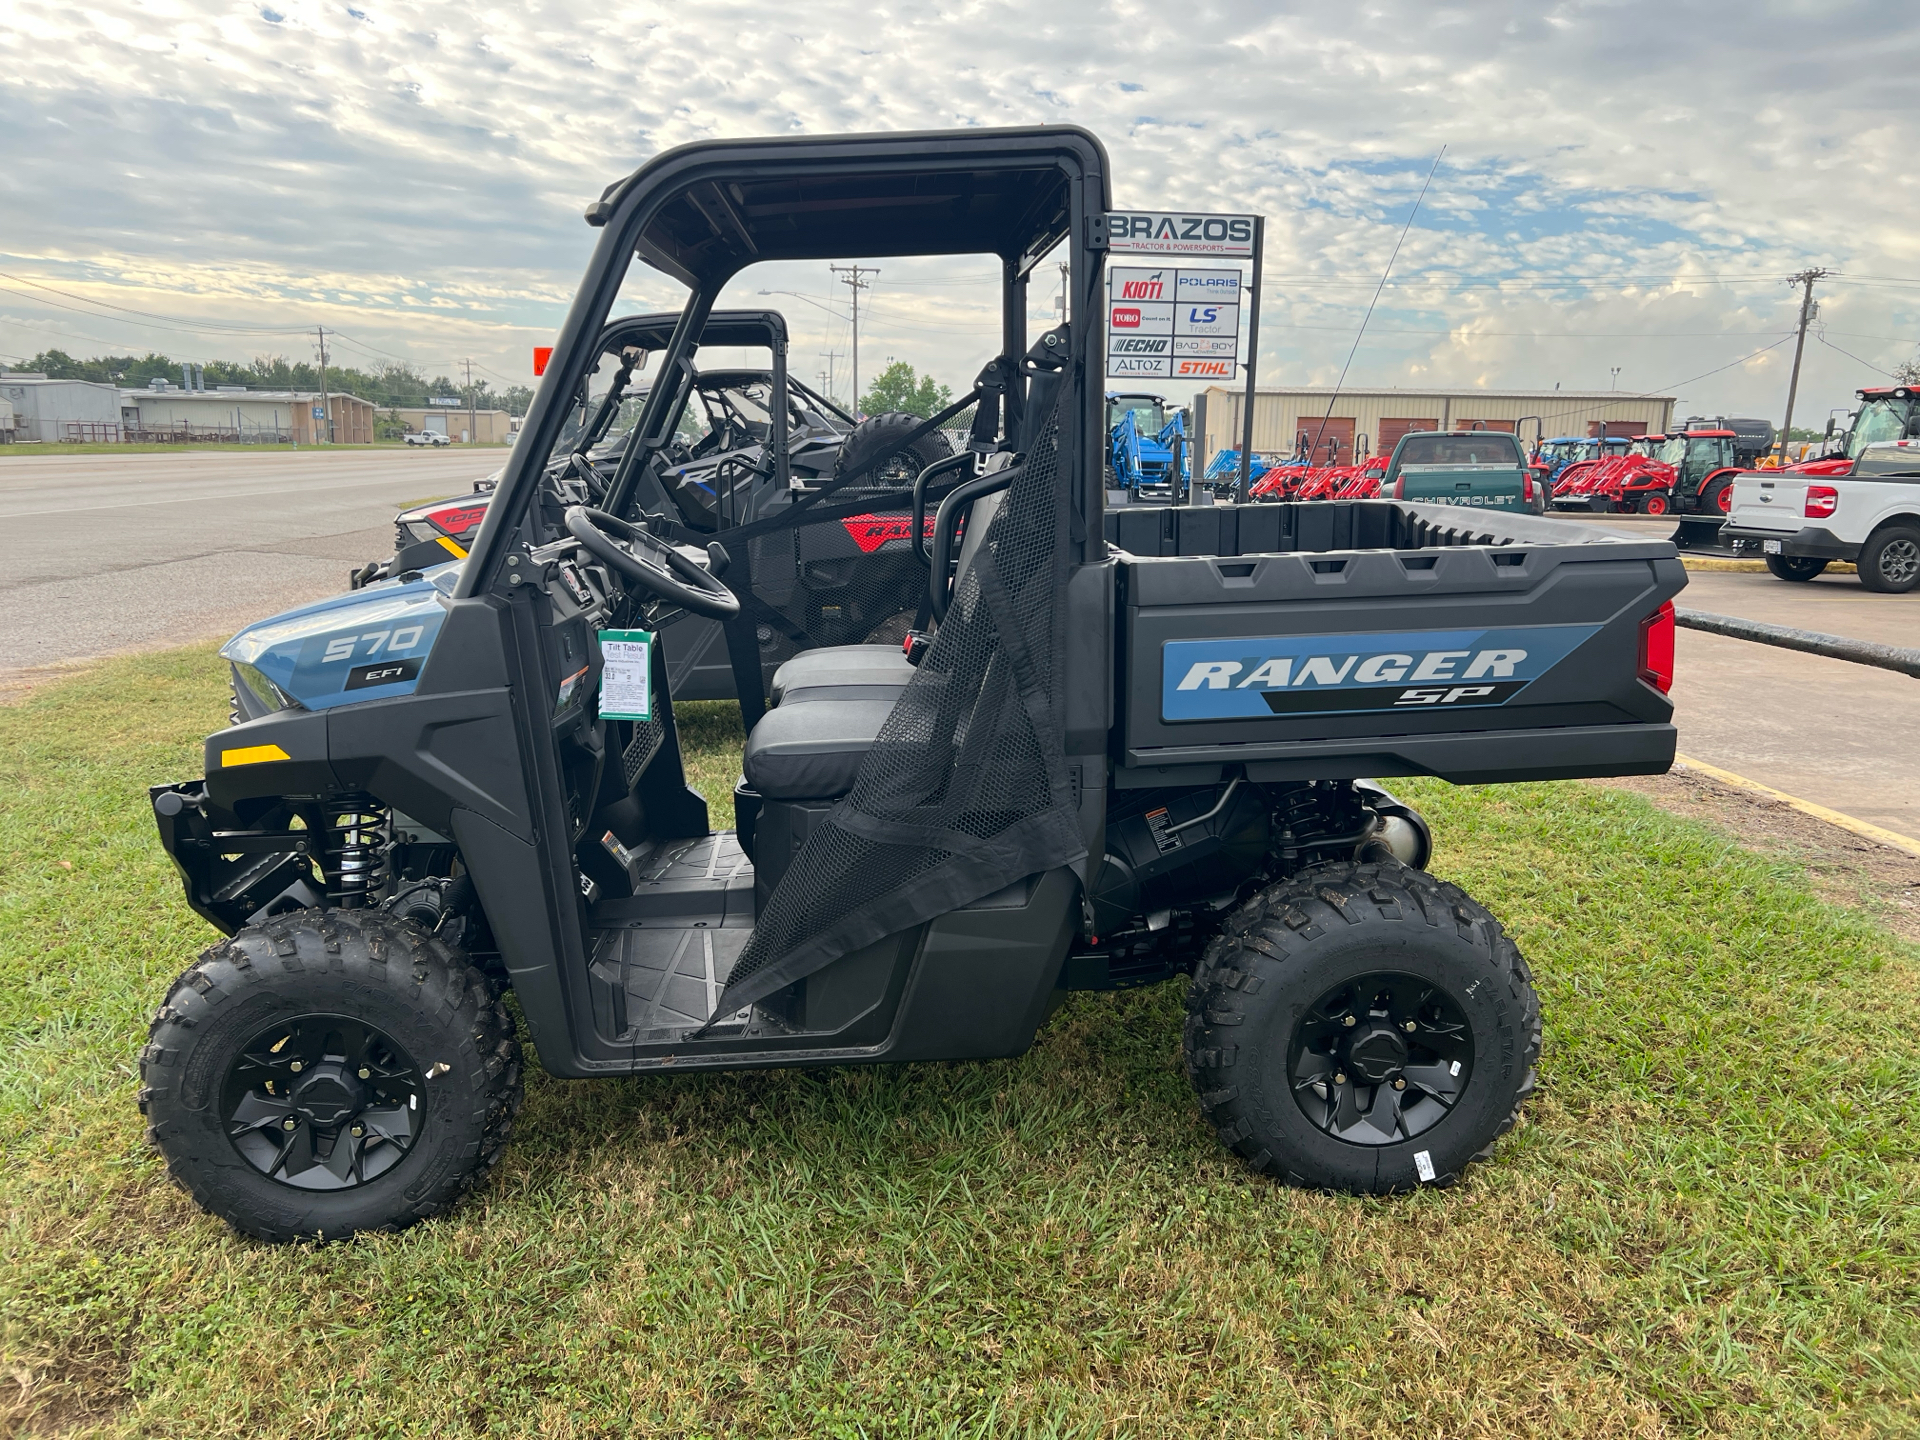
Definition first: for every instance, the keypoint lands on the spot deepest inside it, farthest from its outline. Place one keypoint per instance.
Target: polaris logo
(1292, 675)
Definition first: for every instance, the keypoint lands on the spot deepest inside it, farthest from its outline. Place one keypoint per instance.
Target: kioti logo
(1125, 317)
(870, 532)
(1152, 288)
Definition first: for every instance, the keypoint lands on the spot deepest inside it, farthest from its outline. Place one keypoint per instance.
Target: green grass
(1708, 1223)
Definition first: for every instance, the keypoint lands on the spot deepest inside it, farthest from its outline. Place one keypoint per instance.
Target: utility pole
(1061, 303)
(473, 418)
(1805, 281)
(1616, 377)
(850, 277)
(832, 394)
(326, 406)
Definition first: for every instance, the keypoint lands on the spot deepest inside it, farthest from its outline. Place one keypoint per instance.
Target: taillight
(1822, 501)
(1656, 648)
(1526, 486)
(1400, 488)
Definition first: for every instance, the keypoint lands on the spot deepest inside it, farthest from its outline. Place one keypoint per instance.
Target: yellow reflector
(447, 541)
(253, 755)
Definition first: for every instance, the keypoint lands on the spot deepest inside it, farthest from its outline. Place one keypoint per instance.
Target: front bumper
(1811, 543)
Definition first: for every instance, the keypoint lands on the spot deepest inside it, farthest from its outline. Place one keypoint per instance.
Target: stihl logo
(1152, 288)
(1125, 318)
(870, 532)
(1205, 367)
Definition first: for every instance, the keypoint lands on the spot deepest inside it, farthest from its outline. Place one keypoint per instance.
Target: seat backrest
(978, 519)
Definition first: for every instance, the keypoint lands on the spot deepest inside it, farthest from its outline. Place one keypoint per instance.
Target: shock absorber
(353, 850)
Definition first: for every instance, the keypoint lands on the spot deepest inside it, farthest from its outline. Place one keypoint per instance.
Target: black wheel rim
(324, 1102)
(1380, 1058)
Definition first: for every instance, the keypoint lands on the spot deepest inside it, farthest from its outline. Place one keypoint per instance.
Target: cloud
(1624, 183)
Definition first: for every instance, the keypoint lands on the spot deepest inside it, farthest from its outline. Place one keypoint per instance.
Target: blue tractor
(1147, 451)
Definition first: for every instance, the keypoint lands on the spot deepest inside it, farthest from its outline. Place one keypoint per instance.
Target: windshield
(1149, 413)
(1645, 445)
(1673, 451)
(1475, 447)
(1877, 422)
(613, 368)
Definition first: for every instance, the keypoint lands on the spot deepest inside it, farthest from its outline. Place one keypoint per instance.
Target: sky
(1621, 185)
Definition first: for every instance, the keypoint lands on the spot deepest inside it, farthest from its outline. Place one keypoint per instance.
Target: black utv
(838, 567)
(1132, 749)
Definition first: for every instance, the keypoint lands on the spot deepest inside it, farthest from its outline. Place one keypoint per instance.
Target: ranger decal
(1318, 674)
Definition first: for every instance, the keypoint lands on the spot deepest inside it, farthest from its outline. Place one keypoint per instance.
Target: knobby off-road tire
(1794, 567)
(880, 432)
(1890, 560)
(1442, 981)
(355, 1018)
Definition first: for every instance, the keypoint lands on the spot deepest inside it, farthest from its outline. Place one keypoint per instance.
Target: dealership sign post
(1179, 323)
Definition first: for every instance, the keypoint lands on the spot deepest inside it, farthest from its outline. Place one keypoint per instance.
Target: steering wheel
(651, 563)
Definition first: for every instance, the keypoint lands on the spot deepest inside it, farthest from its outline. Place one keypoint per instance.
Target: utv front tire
(1362, 1028)
(328, 1072)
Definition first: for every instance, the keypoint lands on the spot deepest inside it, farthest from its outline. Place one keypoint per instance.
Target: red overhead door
(1323, 434)
(1505, 426)
(1613, 428)
(1392, 429)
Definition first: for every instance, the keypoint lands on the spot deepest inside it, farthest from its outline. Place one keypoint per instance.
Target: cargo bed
(1338, 639)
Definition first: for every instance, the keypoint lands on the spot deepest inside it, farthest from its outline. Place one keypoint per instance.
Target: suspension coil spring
(353, 853)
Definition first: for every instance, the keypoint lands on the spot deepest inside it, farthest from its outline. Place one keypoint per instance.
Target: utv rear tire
(1889, 562)
(1794, 567)
(325, 974)
(1426, 957)
(878, 433)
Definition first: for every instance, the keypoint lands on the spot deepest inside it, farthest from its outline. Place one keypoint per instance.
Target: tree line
(393, 384)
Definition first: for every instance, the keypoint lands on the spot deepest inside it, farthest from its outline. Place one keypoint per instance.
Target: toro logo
(1154, 287)
(1267, 676)
(870, 532)
(1126, 317)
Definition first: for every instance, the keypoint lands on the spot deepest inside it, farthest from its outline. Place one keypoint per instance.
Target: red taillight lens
(1656, 648)
(1400, 488)
(1526, 486)
(1822, 501)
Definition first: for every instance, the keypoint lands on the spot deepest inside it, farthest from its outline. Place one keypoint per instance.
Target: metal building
(164, 412)
(46, 409)
(1374, 419)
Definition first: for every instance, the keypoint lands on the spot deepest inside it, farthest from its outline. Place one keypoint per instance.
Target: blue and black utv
(1124, 748)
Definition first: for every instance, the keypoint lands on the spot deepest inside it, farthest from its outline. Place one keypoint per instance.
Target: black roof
(723, 327)
(718, 206)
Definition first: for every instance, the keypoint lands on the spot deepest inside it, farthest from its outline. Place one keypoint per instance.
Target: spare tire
(878, 434)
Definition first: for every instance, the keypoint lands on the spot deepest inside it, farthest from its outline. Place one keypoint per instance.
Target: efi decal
(1270, 675)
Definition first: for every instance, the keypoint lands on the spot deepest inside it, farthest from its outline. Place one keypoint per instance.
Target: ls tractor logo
(1320, 674)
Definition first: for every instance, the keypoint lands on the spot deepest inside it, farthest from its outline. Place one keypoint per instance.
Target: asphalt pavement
(125, 552)
(113, 553)
(1829, 731)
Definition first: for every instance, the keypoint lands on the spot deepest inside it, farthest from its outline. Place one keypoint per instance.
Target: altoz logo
(1154, 287)
(1140, 345)
(1308, 674)
(1126, 317)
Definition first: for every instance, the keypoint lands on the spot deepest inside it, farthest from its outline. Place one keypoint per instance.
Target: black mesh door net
(965, 789)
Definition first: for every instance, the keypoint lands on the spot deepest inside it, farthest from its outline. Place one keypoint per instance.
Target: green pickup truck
(1482, 468)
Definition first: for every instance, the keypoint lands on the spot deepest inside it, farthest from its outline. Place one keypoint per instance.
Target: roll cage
(703, 212)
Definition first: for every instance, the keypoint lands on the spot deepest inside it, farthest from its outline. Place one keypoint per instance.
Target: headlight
(255, 695)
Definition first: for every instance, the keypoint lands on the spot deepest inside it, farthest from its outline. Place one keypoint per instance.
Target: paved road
(1826, 730)
(124, 552)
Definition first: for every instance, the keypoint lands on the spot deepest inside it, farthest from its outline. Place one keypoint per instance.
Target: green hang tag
(626, 681)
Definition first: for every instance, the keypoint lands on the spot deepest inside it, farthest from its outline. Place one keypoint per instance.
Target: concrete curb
(1890, 838)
